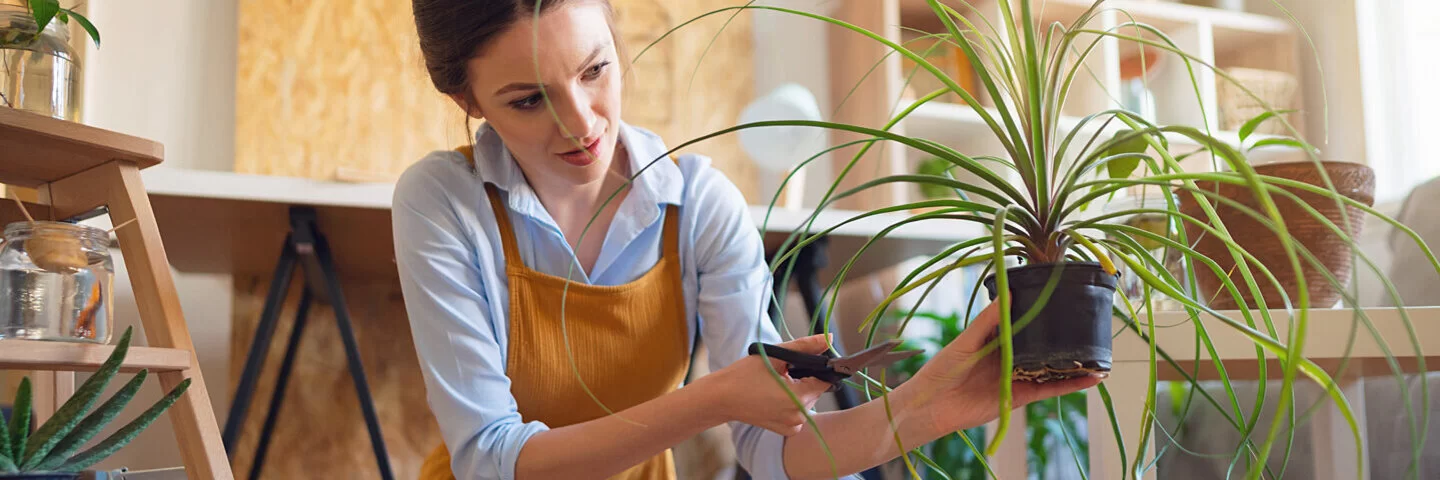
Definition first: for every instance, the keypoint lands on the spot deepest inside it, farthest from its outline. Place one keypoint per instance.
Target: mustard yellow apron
(630, 343)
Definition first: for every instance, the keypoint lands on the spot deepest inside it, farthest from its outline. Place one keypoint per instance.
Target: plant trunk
(1070, 336)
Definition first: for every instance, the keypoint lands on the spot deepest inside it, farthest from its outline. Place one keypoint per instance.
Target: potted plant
(1051, 260)
(54, 450)
(39, 71)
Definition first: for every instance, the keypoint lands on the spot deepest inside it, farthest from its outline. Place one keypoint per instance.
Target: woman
(486, 236)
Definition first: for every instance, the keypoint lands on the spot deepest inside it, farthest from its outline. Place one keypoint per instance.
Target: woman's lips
(585, 156)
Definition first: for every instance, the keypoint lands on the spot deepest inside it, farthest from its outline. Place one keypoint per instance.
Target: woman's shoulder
(439, 174)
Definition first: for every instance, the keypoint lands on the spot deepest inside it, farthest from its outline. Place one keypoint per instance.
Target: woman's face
(579, 70)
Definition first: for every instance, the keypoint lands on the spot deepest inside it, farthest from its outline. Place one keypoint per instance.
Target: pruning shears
(830, 368)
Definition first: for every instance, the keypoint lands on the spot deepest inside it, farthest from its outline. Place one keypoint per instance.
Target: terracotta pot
(1352, 180)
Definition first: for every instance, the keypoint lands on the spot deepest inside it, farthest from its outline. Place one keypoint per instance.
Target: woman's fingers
(812, 344)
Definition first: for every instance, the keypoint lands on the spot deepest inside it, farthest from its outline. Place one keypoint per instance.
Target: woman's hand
(746, 391)
(960, 389)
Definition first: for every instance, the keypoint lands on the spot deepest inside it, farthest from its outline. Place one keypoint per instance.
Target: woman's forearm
(859, 438)
(608, 445)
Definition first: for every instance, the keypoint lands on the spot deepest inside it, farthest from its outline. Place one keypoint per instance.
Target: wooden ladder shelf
(76, 169)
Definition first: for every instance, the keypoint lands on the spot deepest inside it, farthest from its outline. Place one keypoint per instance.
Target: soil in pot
(1070, 336)
(1353, 180)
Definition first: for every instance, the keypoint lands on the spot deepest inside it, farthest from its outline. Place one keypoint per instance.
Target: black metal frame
(306, 245)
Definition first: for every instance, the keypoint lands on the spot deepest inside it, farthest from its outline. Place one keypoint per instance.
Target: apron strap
(507, 231)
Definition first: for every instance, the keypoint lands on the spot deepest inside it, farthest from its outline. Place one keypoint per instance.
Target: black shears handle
(803, 365)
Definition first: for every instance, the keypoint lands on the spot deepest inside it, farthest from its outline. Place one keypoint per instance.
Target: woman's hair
(453, 31)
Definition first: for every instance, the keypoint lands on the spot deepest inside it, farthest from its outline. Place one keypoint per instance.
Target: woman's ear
(466, 101)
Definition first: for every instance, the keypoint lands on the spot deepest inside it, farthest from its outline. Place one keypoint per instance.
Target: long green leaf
(92, 424)
(70, 413)
(20, 421)
(125, 434)
(85, 23)
(1007, 348)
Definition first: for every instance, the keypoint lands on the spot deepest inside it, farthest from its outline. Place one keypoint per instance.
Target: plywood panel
(327, 85)
(321, 432)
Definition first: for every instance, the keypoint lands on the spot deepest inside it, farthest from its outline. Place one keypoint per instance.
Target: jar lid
(87, 233)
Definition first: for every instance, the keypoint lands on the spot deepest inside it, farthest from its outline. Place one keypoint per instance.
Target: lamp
(778, 149)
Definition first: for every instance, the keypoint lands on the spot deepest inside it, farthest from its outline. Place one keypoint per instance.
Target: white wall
(792, 49)
(165, 70)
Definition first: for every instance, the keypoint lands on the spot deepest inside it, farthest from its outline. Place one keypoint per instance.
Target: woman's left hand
(959, 389)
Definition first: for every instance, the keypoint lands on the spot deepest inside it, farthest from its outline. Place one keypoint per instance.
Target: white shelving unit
(1221, 38)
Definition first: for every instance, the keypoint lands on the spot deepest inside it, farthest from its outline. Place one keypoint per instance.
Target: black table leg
(282, 382)
(305, 246)
(259, 346)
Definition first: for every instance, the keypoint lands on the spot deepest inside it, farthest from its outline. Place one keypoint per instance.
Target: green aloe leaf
(121, 437)
(20, 421)
(92, 424)
(5, 446)
(69, 414)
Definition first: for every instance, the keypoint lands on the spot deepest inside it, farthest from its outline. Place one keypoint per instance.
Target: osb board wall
(327, 84)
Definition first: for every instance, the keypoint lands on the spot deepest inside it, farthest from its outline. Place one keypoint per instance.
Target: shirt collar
(660, 184)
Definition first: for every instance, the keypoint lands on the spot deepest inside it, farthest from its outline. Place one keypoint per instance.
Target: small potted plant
(54, 450)
(39, 63)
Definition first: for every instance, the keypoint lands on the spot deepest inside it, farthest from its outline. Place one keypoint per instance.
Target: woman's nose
(576, 116)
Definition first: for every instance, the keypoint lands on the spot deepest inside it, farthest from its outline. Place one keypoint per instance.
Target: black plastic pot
(1070, 337)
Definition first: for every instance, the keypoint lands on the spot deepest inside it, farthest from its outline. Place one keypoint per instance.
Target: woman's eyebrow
(536, 86)
(594, 53)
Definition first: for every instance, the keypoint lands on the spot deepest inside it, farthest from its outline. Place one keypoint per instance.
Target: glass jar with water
(39, 71)
(56, 282)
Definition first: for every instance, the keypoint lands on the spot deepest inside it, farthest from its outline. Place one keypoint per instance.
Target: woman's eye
(527, 103)
(595, 71)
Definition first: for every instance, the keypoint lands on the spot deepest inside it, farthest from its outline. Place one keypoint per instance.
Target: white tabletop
(209, 197)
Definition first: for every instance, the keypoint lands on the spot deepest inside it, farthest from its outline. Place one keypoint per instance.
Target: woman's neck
(572, 207)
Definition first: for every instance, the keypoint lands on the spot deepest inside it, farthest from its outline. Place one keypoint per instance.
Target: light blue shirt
(452, 274)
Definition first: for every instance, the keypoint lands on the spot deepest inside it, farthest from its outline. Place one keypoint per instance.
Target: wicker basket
(1353, 180)
(1236, 107)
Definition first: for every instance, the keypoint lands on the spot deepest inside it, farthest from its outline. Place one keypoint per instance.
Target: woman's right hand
(747, 392)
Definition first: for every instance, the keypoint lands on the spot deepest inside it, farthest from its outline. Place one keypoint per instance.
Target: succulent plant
(55, 447)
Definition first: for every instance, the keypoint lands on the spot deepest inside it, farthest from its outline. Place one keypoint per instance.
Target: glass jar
(39, 72)
(56, 282)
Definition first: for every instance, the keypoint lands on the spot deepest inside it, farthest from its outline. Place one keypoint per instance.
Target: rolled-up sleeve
(451, 322)
(733, 300)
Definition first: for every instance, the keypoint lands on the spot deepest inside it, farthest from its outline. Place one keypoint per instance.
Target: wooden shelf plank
(35, 149)
(947, 122)
(1159, 14)
(61, 356)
